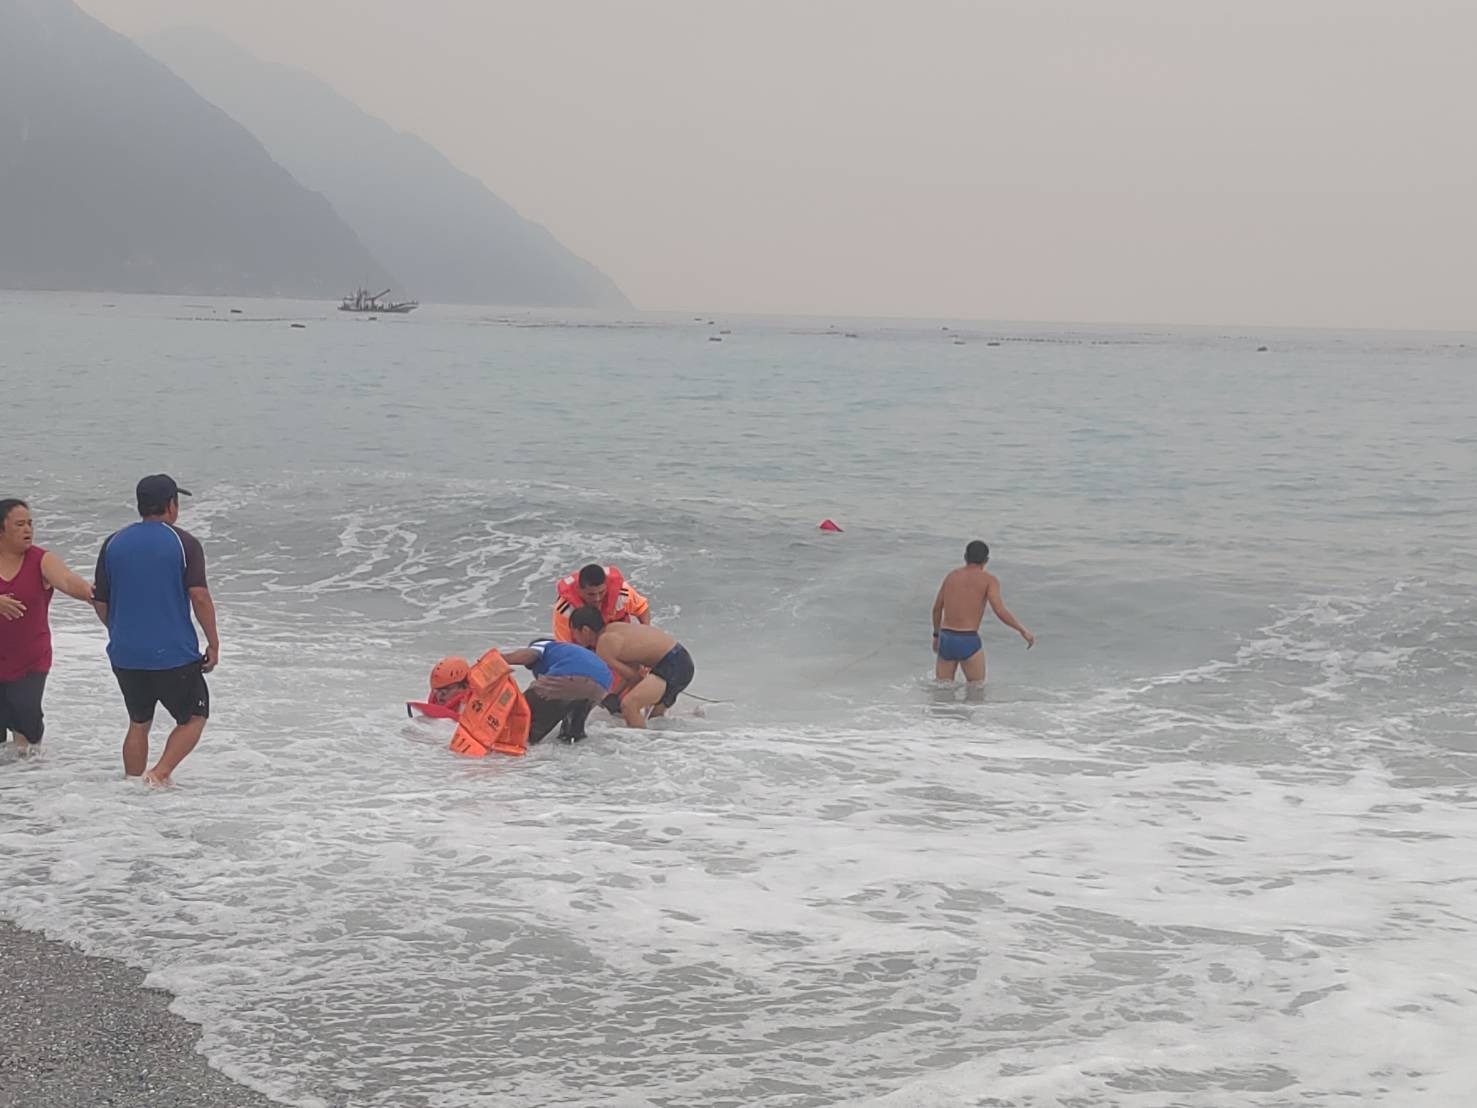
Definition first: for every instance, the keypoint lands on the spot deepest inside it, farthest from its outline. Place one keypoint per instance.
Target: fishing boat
(364, 301)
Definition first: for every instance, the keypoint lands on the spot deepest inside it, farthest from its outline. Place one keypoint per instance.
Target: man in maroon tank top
(28, 574)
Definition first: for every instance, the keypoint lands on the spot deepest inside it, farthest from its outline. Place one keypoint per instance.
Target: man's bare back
(964, 594)
(634, 644)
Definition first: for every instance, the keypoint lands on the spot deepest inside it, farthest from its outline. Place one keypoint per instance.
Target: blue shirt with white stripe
(144, 574)
(567, 659)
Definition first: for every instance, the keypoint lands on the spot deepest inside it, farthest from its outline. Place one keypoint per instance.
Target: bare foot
(156, 780)
(657, 711)
(24, 749)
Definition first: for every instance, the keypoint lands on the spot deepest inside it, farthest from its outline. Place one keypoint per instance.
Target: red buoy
(829, 525)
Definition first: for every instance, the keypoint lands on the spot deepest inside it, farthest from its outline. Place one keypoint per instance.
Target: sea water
(1209, 843)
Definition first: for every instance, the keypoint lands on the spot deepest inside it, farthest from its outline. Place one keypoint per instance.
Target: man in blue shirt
(570, 680)
(150, 575)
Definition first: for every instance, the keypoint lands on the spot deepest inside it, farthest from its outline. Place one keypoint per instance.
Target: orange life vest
(615, 581)
(495, 716)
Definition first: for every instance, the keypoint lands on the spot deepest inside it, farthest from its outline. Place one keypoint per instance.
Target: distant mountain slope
(442, 231)
(115, 174)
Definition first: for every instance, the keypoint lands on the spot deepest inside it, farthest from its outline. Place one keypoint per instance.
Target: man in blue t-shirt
(150, 575)
(570, 680)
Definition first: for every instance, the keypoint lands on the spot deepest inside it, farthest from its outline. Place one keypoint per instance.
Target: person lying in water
(628, 649)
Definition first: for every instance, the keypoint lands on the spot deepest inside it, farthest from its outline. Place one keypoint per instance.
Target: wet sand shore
(77, 1030)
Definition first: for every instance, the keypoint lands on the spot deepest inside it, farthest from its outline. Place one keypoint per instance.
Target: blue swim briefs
(956, 646)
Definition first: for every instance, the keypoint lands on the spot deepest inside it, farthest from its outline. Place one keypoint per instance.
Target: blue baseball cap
(156, 491)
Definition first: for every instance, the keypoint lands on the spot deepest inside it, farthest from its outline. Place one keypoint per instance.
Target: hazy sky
(1256, 161)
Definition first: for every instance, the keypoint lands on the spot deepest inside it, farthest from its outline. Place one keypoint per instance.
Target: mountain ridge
(116, 175)
(447, 235)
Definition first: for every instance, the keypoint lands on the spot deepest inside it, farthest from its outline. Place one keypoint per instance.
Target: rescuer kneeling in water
(654, 668)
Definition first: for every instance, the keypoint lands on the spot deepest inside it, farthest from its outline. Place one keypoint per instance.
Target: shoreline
(77, 1029)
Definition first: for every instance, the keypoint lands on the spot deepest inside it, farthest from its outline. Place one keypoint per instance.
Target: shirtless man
(958, 611)
(630, 649)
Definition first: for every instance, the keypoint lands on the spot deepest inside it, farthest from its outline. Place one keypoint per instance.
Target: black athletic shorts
(182, 691)
(20, 707)
(676, 669)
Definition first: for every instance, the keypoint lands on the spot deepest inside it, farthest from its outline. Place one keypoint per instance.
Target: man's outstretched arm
(1003, 614)
(56, 574)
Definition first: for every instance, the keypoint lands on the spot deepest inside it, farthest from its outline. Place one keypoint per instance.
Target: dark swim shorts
(182, 691)
(20, 706)
(676, 669)
(956, 646)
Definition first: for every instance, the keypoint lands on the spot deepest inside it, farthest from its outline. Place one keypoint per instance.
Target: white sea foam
(821, 911)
